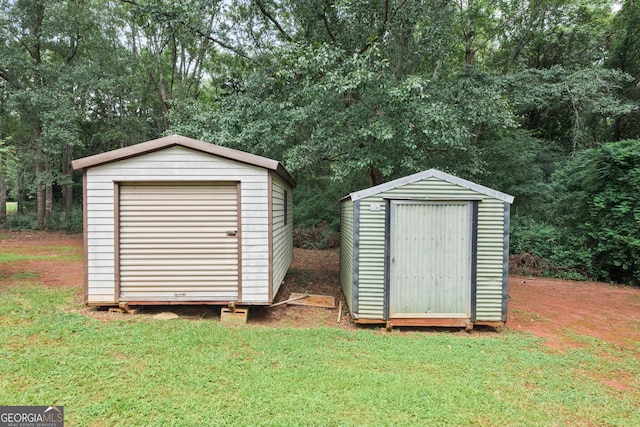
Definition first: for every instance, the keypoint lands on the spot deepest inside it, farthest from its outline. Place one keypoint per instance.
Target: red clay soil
(559, 311)
(59, 260)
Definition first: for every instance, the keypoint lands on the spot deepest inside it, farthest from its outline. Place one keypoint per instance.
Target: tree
(43, 40)
(348, 85)
(597, 205)
(572, 108)
(625, 56)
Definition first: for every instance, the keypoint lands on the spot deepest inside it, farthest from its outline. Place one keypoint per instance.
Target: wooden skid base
(488, 323)
(453, 323)
(426, 322)
(369, 321)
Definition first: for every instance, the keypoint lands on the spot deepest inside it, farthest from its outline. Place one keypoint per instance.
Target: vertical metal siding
(371, 245)
(430, 256)
(474, 258)
(178, 242)
(346, 251)
(505, 262)
(356, 260)
(489, 297)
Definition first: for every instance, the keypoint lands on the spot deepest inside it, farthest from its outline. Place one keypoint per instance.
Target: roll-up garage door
(178, 242)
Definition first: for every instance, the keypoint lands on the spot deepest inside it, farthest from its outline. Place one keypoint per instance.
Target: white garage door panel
(178, 242)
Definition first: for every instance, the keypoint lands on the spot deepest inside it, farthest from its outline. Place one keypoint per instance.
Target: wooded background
(538, 99)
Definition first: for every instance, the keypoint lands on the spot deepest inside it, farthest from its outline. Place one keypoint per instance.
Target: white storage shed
(181, 221)
(429, 249)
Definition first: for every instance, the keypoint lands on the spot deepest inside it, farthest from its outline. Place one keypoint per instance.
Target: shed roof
(431, 173)
(182, 141)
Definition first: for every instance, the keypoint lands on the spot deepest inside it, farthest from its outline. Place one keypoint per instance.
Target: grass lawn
(143, 372)
(59, 253)
(12, 207)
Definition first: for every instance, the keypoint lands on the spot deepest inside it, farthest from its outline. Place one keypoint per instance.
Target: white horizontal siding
(255, 230)
(174, 164)
(99, 269)
(100, 221)
(282, 240)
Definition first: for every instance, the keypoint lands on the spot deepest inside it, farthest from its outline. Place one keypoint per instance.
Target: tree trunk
(67, 188)
(375, 176)
(3, 189)
(41, 196)
(524, 38)
(67, 201)
(20, 192)
(469, 52)
(48, 204)
(3, 168)
(469, 33)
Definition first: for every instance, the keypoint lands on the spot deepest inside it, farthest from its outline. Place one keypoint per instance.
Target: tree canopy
(511, 94)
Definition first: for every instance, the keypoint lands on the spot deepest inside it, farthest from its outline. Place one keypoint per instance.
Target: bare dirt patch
(58, 258)
(562, 312)
(312, 272)
(34, 240)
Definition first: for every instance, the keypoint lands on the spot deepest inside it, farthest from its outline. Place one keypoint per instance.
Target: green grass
(141, 372)
(24, 275)
(7, 257)
(12, 207)
(65, 253)
(59, 253)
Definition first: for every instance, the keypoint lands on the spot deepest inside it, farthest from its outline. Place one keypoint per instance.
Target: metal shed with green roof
(429, 249)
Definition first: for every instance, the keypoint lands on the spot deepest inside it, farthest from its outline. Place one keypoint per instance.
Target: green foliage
(571, 108)
(593, 220)
(320, 110)
(345, 94)
(21, 222)
(514, 162)
(74, 224)
(625, 42)
(530, 236)
(569, 33)
(59, 221)
(540, 248)
(597, 203)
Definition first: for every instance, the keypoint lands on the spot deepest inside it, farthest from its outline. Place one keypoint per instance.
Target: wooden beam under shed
(438, 322)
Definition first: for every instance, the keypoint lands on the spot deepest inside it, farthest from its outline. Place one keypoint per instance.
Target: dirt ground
(561, 312)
